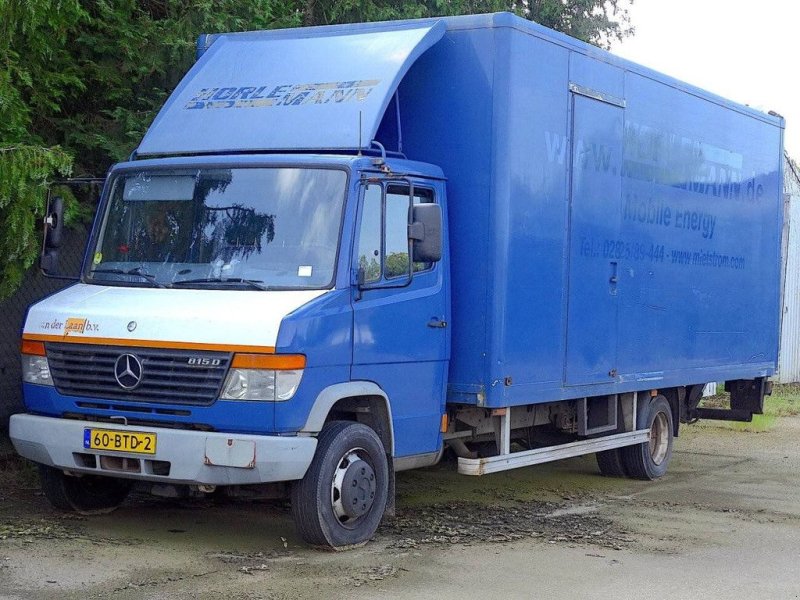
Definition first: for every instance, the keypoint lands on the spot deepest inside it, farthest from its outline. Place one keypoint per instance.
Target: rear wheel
(611, 463)
(342, 498)
(651, 459)
(86, 494)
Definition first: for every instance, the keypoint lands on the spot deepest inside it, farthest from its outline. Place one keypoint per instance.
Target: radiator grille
(166, 375)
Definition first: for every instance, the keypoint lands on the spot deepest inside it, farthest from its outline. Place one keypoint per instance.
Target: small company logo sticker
(75, 326)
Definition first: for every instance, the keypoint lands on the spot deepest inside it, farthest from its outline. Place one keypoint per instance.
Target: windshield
(258, 228)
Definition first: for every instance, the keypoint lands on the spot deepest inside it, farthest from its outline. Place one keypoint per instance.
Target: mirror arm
(59, 277)
(360, 276)
(409, 241)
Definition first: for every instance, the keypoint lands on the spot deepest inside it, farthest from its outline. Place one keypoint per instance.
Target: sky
(744, 50)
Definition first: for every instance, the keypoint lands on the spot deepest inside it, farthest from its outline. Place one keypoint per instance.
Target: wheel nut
(355, 483)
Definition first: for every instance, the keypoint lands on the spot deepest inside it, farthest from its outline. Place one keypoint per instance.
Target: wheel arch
(361, 401)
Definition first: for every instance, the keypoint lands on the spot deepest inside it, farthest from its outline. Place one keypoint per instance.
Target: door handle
(435, 322)
(613, 280)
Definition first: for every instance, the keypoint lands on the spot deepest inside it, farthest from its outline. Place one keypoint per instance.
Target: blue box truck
(338, 251)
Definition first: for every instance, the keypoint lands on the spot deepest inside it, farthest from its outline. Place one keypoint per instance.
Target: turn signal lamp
(35, 368)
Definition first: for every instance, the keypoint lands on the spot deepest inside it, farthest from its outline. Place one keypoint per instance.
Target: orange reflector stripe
(32, 348)
(444, 424)
(279, 362)
(136, 343)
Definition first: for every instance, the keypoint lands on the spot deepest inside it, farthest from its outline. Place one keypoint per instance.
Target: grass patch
(759, 424)
(784, 402)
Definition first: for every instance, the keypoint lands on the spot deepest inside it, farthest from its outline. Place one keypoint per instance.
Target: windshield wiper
(137, 271)
(253, 283)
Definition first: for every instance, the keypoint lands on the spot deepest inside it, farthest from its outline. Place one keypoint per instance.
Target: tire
(611, 463)
(88, 494)
(341, 500)
(650, 460)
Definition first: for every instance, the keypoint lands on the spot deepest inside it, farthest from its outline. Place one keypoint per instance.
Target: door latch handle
(613, 280)
(436, 323)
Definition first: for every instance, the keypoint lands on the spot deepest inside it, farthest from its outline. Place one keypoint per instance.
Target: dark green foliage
(112, 63)
(35, 75)
(80, 80)
(598, 23)
(36, 69)
(23, 174)
(131, 55)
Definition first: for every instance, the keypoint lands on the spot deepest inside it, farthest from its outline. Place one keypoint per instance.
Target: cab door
(400, 314)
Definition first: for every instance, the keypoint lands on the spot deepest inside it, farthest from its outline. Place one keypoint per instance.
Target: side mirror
(53, 238)
(55, 233)
(48, 261)
(54, 223)
(425, 233)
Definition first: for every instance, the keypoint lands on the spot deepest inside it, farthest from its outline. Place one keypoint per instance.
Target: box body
(612, 229)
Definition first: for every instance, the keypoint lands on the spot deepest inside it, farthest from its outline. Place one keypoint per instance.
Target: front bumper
(182, 456)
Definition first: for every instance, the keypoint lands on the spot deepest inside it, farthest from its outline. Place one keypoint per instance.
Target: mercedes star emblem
(131, 325)
(128, 371)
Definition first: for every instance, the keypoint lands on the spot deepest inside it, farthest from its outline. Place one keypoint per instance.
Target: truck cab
(231, 307)
(261, 271)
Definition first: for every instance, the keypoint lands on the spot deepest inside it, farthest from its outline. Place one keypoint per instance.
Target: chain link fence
(35, 286)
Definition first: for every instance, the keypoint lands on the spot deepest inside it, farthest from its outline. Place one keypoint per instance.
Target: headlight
(245, 381)
(35, 369)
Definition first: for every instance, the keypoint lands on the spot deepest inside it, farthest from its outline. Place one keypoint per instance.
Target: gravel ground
(723, 523)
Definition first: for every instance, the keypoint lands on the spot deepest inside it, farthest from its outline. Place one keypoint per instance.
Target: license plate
(119, 441)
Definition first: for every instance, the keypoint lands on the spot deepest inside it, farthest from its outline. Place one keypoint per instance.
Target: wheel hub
(659, 438)
(358, 489)
(354, 488)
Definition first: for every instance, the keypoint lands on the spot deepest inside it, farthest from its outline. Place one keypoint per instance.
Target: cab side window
(383, 239)
(396, 260)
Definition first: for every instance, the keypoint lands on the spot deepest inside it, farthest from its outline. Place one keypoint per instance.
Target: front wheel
(87, 494)
(342, 498)
(651, 459)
